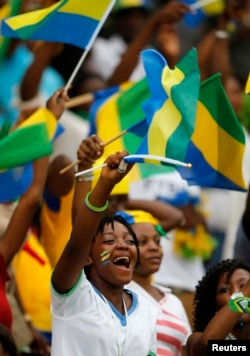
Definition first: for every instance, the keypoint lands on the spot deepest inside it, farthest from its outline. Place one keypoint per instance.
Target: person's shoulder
(140, 302)
(193, 343)
(143, 302)
(171, 298)
(163, 289)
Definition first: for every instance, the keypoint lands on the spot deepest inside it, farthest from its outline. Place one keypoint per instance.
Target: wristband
(85, 178)
(222, 35)
(93, 208)
(240, 305)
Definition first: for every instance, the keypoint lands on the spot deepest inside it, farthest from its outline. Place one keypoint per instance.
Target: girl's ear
(89, 261)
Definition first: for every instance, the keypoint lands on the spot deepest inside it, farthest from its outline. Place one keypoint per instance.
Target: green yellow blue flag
(75, 22)
(193, 123)
(125, 108)
(171, 109)
(29, 141)
(122, 111)
(217, 145)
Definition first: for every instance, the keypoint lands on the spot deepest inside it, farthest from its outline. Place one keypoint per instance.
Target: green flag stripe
(210, 96)
(24, 145)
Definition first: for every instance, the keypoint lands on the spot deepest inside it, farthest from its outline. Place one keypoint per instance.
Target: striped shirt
(172, 325)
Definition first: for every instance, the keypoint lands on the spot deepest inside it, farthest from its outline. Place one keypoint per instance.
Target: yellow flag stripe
(226, 154)
(30, 18)
(86, 8)
(161, 129)
(42, 116)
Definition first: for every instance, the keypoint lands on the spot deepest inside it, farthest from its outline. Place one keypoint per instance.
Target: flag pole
(73, 164)
(90, 170)
(130, 159)
(75, 71)
(80, 99)
(84, 55)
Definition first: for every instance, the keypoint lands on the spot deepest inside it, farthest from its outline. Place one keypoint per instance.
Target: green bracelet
(93, 208)
(240, 305)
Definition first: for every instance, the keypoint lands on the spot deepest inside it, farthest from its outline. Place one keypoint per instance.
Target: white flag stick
(131, 158)
(97, 30)
(90, 170)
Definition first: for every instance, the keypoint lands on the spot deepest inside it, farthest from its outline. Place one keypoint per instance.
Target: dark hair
(7, 341)
(205, 294)
(110, 220)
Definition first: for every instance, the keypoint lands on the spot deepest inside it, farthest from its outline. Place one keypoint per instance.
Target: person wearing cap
(172, 324)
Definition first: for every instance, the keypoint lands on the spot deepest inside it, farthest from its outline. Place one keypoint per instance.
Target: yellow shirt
(32, 273)
(56, 225)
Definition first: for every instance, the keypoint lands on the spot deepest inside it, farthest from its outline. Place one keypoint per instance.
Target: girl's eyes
(112, 241)
(242, 285)
(143, 242)
(130, 242)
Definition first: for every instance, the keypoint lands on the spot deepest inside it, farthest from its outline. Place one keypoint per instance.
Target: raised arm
(43, 52)
(168, 216)
(218, 328)
(76, 252)
(168, 14)
(88, 152)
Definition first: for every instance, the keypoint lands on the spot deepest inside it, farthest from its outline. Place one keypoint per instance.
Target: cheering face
(150, 248)
(113, 256)
(227, 287)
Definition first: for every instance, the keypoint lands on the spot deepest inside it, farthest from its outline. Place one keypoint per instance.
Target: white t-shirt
(85, 323)
(176, 271)
(75, 130)
(106, 54)
(172, 324)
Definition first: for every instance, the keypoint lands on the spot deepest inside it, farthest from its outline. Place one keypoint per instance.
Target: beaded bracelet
(93, 208)
(240, 305)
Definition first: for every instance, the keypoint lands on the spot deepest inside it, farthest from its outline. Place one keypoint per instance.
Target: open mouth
(122, 261)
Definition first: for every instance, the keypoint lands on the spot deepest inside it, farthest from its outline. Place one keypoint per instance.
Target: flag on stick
(113, 114)
(76, 22)
(217, 145)
(205, 133)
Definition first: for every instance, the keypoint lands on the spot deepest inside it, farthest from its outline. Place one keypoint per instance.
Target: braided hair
(205, 293)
